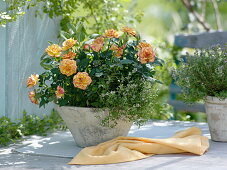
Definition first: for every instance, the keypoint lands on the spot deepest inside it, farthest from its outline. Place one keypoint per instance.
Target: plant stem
(217, 14)
(198, 17)
(203, 14)
(93, 14)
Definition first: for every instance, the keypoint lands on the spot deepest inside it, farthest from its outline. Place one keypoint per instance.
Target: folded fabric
(124, 149)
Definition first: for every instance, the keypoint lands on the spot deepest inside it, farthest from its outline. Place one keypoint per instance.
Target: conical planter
(85, 126)
(216, 111)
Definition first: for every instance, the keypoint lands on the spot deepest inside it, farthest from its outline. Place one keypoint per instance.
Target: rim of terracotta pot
(212, 99)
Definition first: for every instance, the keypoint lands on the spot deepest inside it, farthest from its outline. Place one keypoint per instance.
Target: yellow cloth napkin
(124, 149)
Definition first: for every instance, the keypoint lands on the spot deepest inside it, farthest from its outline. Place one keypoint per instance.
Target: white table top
(55, 150)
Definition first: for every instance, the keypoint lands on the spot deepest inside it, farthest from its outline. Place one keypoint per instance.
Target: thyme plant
(204, 74)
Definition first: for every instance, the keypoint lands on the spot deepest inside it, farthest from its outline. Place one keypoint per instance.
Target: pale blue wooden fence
(21, 45)
(2, 64)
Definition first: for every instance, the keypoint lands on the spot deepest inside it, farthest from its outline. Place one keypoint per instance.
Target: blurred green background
(165, 18)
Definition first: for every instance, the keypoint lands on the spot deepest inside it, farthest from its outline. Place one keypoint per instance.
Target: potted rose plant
(100, 84)
(204, 77)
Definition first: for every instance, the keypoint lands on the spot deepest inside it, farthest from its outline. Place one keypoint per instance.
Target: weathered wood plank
(181, 106)
(174, 89)
(202, 40)
(2, 64)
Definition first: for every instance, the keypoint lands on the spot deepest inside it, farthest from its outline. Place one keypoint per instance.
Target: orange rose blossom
(59, 92)
(32, 80)
(54, 50)
(144, 44)
(146, 54)
(111, 33)
(81, 80)
(70, 55)
(118, 51)
(32, 98)
(97, 44)
(67, 44)
(129, 31)
(68, 67)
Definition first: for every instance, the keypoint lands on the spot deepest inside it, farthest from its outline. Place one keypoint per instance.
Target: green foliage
(135, 101)
(98, 15)
(9, 131)
(120, 83)
(13, 12)
(204, 74)
(28, 125)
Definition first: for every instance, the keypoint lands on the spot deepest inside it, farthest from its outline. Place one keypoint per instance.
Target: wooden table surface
(55, 150)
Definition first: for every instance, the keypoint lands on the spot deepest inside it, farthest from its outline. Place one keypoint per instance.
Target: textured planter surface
(216, 111)
(86, 128)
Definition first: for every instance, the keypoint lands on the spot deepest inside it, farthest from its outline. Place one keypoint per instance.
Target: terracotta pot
(216, 111)
(85, 126)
